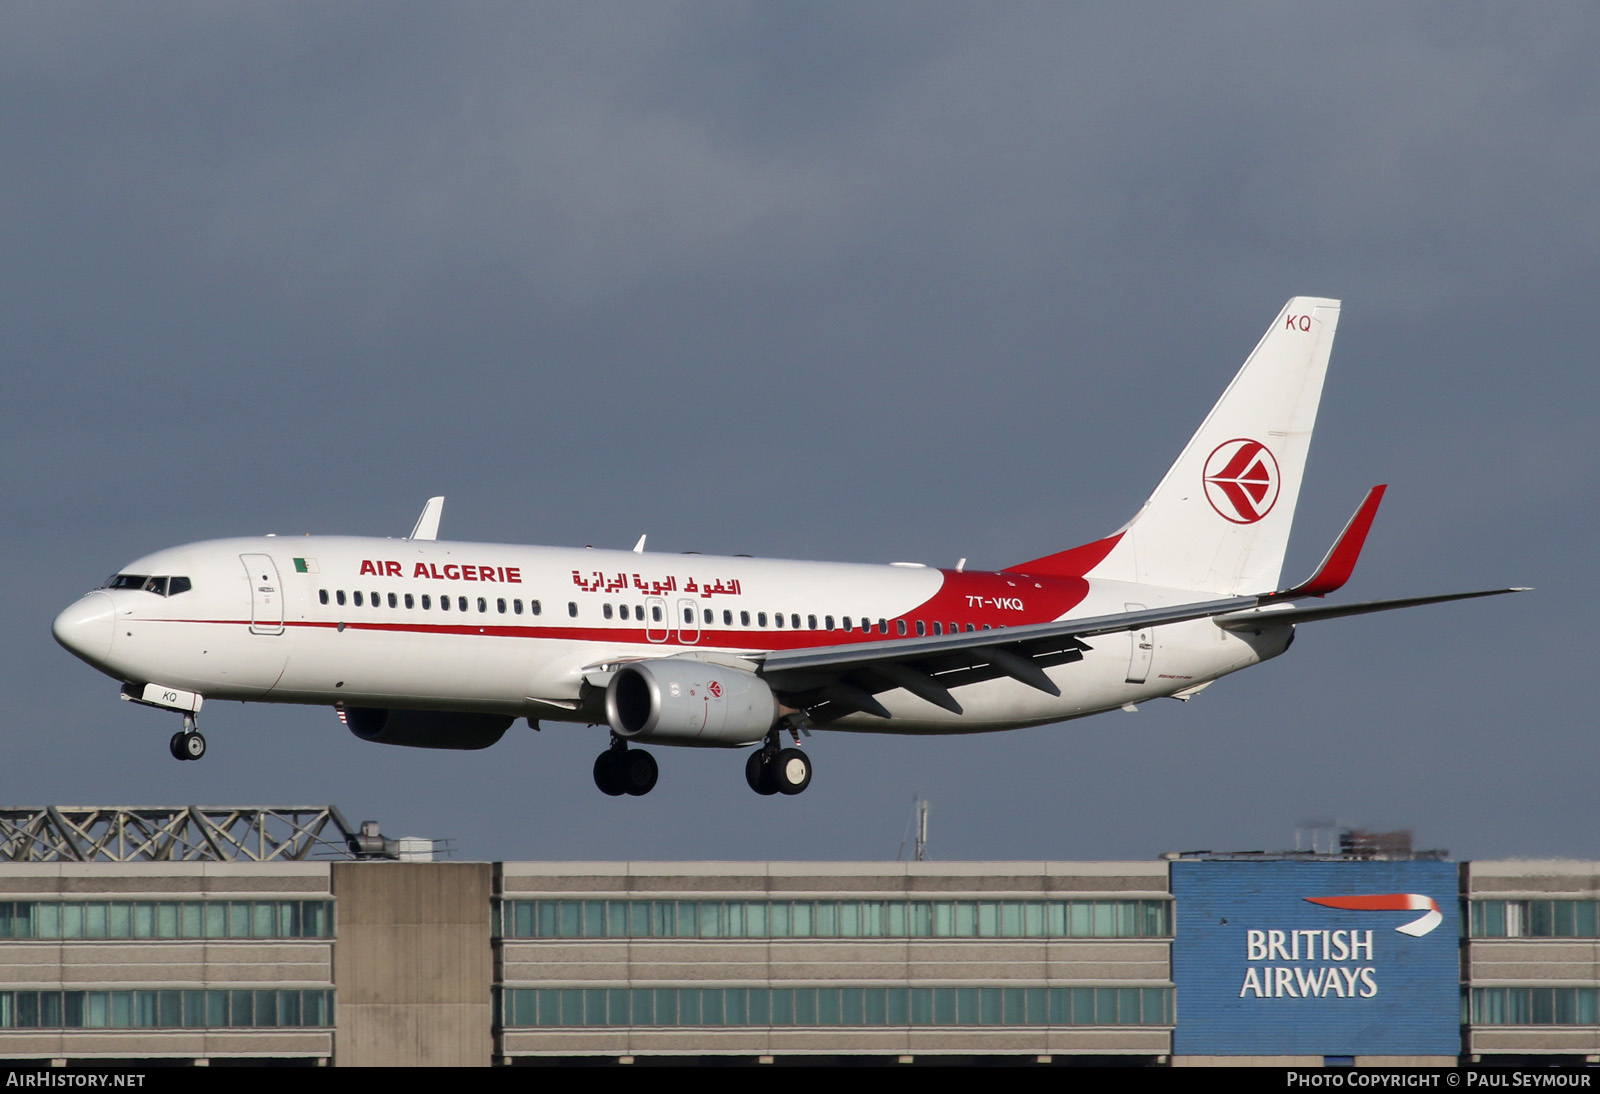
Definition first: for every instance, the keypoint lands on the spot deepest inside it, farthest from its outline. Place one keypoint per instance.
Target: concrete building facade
(522, 963)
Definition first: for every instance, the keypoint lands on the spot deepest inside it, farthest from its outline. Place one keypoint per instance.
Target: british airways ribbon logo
(1390, 902)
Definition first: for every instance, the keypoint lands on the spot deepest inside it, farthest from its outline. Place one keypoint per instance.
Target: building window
(1535, 919)
(167, 1009)
(157, 919)
(1535, 1007)
(834, 919)
(835, 1006)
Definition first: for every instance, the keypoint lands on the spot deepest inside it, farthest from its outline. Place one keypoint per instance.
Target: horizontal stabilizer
(1274, 615)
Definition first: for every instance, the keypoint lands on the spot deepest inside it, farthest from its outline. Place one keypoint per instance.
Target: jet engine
(426, 728)
(684, 702)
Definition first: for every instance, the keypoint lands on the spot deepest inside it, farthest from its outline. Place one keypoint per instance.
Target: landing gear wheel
(608, 774)
(637, 771)
(192, 745)
(758, 773)
(790, 771)
(175, 746)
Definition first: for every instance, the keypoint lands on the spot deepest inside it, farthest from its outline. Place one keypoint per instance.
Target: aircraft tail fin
(1219, 520)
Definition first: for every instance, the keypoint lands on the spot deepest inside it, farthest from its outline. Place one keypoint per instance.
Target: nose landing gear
(187, 743)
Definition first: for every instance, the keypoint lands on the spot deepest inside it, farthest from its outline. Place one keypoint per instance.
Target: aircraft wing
(832, 681)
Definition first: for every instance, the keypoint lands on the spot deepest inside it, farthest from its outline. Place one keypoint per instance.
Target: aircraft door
(688, 622)
(1143, 649)
(266, 594)
(656, 622)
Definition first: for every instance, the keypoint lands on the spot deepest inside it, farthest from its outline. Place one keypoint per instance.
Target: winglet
(1340, 561)
(427, 526)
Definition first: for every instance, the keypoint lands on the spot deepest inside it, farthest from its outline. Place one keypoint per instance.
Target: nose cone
(86, 628)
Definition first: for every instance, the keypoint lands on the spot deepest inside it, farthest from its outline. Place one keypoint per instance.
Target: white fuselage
(513, 630)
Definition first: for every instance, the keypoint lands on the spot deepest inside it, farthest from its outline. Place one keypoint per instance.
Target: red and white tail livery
(436, 644)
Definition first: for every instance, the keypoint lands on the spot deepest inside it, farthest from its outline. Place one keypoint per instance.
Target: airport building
(200, 937)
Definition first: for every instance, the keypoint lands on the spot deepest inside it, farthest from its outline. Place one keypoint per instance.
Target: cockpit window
(160, 585)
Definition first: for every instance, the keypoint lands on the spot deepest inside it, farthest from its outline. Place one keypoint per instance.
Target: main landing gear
(774, 770)
(622, 770)
(187, 743)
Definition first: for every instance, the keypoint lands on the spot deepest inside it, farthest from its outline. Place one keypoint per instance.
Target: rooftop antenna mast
(919, 819)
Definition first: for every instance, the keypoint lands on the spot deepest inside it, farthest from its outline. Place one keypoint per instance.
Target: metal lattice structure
(190, 833)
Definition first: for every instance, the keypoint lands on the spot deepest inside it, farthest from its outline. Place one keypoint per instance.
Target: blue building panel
(1275, 958)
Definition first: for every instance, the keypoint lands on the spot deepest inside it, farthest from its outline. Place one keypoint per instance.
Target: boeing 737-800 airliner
(442, 645)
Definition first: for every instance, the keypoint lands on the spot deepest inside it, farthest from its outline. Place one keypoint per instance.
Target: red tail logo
(1241, 480)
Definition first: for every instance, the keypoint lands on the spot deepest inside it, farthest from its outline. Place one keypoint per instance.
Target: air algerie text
(1347, 981)
(511, 575)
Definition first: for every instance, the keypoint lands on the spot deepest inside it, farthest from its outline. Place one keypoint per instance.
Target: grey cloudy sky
(851, 281)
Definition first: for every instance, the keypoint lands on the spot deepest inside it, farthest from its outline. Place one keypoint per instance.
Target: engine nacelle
(689, 702)
(426, 728)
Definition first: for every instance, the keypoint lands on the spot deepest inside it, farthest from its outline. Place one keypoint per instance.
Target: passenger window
(357, 597)
(483, 604)
(410, 603)
(883, 627)
(794, 620)
(534, 607)
(971, 628)
(922, 628)
(461, 602)
(444, 603)
(572, 608)
(938, 628)
(901, 623)
(516, 606)
(688, 615)
(777, 619)
(394, 601)
(844, 624)
(744, 619)
(655, 612)
(500, 605)
(761, 619)
(638, 612)
(322, 595)
(605, 610)
(727, 618)
(622, 609)
(427, 602)
(710, 618)
(376, 601)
